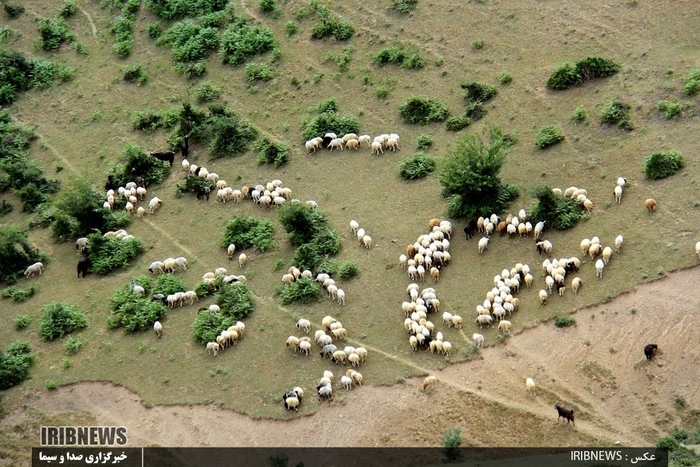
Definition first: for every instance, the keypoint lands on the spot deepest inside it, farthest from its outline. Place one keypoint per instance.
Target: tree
(470, 180)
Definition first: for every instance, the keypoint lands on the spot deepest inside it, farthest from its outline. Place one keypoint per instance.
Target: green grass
(669, 110)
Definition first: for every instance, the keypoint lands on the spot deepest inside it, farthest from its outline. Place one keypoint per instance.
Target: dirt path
(596, 367)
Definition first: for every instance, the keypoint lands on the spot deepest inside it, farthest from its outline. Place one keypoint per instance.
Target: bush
(315, 253)
(589, 68)
(271, 153)
(291, 28)
(340, 30)
(68, 8)
(400, 55)
(549, 135)
(663, 164)
(670, 110)
(302, 222)
(580, 114)
(22, 321)
(452, 440)
(417, 166)
(73, 345)
(404, 6)
(60, 318)
(329, 121)
(137, 162)
(135, 73)
(617, 113)
(305, 290)
(424, 141)
(560, 212)
(478, 92)
(154, 30)
(422, 110)
(169, 9)
(692, 82)
(269, 7)
(235, 301)
(18, 294)
(505, 78)
(348, 270)
(470, 180)
(224, 132)
(16, 253)
(241, 41)
(12, 10)
(563, 321)
(151, 120)
(260, 72)
(132, 311)
(458, 123)
(14, 364)
(206, 91)
(245, 232)
(168, 284)
(53, 32)
(478, 44)
(108, 254)
(192, 184)
(191, 44)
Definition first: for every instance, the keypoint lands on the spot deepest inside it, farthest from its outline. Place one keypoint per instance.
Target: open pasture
(84, 124)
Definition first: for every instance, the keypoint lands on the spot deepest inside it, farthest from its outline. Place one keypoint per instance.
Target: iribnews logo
(83, 435)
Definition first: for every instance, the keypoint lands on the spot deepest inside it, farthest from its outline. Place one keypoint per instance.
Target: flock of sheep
(352, 141)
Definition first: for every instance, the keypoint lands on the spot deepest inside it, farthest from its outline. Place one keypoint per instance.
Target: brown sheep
(650, 204)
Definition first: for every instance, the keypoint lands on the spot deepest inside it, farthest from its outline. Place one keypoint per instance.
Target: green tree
(470, 178)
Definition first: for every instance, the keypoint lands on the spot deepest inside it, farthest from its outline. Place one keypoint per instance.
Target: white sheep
(607, 253)
(346, 382)
(181, 263)
(483, 244)
(335, 143)
(576, 284)
(504, 326)
(354, 226)
(156, 266)
(340, 294)
(158, 328)
(429, 382)
(312, 145)
(599, 266)
(478, 340)
(367, 241)
(154, 204)
(137, 289)
(618, 193)
(619, 240)
(305, 346)
(242, 260)
(543, 296)
(191, 295)
(33, 269)
(621, 181)
(81, 243)
(377, 148)
(231, 250)
(304, 324)
(212, 347)
(185, 165)
(364, 140)
(697, 249)
(530, 386)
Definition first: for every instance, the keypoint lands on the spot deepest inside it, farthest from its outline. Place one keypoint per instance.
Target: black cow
(203, 192)
(83, 264)
(165, 156)
(469, 229)
(649, 350)
(568, 414)
(110, 184)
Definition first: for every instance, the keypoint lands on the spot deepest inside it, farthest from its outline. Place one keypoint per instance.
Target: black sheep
(165, 156)
(469, 229)
(83, 264)
(568, 414)
(111, 184)
(326, 141)
(185, 146)
(649, 350)
(203, 192)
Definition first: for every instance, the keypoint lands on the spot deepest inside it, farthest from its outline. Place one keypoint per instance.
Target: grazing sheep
(484, 319)
(181, 263)
(483, 244)
(446, 348)
(621, 181)
(354, 226)
(304, 324)
(340, 294)
(618, 194)
(242, 260)
(158, 328)
(231, 250)
(305, 346)
(650, 205)
(154, 204)
(567, 414)
(367, 241)
(287, 279)
(212, 347)
(327, 322)
(364, 140)
(33, 269)
(504, 326)
(312, 145)
(137, 289)
(457, 321)
(291, 403)
(435, 273)
(429, 382)
(339, 356)
(325, 391)
(595, 250)
(599, 266)
(346, 382)
(335, 143)
(607, 253)
(545, 246)
(478, 340)
(543, 296)
(156, 266)
(377, 148)
(619, 240)
(530, 386)
(649, 350)
(576, 284)
(191, 295)
(292, 341)
(81, 243)
(539, 227)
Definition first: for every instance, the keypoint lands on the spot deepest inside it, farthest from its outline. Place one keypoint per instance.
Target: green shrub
(73, 345)
(422, 110)
(669, 110)
(132, 311)
(383, 90)
(14, 364)
(168, 284)
(59, 318)
(235, 301)
(123, 48)
(18, 294)
(478, 92)
(222, 130)
(478, 44)
(192, 184)
(302, 222)
(404, 6)
(269, 7)
(663, 164)
(206, 91)
(16, 253)
(560, 212)
(315, 253)
(191, 43)
(135, 73)
(169, 9)
(458, 123)
(21, 321)
(245, 232)
(108, 254)
(617, 113)
(564, 77)
(341, 59)
(151, 120)
(424, 141)
(549, 135)
(340, 30)
(305, 290)
(271, 153)
(405, 57)
(241, 41)
(68, 8)
(348, 270)
(505, 78)
(329, 105)
(260, 71)
(470, 181)
(12, 10)
(563, 321)
(154, 30)
(53, 32)
(691, 82)
(580, 114)
(589, 68)
(417, 166)
(452, 440)
(291, 28)
(136, 161)
(330, 121)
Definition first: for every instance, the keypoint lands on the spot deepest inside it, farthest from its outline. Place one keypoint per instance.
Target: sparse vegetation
(22, 321)
(68, 9)
(135, 73)
(340, 30)
(260, 71)
(458, 123)
(14, 364)
(73, 344)
(580, 114)
(12, 10)
(505, 78)
(401, 55)
(669, 110)
(478, 44)
(549, 135)
(151, 120)
(560, 212)
(53, 32)
(691, 83)
(246, 232)
(424, 141)
(270, 152)
(589, 68)
(417, 166)
(206, 91)
(404, 6)
(60, 318)
(329, 121)
(18, 294)
(617, 113)
(564, 321)
(269, 7)
(663, 164)
(422, 110)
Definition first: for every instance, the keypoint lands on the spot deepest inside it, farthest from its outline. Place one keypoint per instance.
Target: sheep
(504, 326)
(287, 279)
(354, 226)
(312, 145)
(354, 359)
(619, 240)
(304, 324)
(545, 246)
(607, 253)
(33, 269)
(156, 266)
(484, 319)
(81, 243)
(429, 382)
(291, 403)
(478, 340)
(158, 328)
(377, 148)
(154, 204)
(242, 260)
(185, 165)
(435, 274)
(576, 284)
(212, 347)
(364, 140)
(618, 194)
(649, 350)
(392, 144)
(339, 356)
(181, 263)
(169, 265)
(346, 382)
(621, 181)
(362, 352)
(446, 348)
(457, 321)
(483, 244)
(137, 289)
(327, 321)
(231, 250)
(305, 346)
(367, 241)
(599, 266)
(539, 227)
(549, 282)
(222, 340)
(340, 333)
(650, 205)
(447, 318)
(340, 294)
(697, 249)
(191, 295)
(403, 260)
(335, 143)
(567, 414)
(588, 204)
(543, 296)
(594, 250)
(530, 386)
(292, 341)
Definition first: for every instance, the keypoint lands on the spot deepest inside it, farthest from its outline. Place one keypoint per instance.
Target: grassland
(84, 124)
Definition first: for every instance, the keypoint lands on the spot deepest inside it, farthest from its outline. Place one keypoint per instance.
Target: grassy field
(84, 124)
